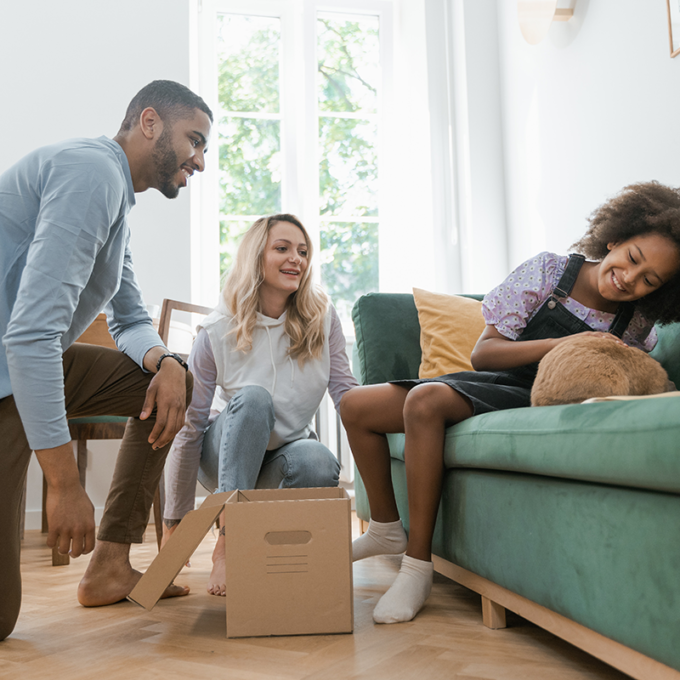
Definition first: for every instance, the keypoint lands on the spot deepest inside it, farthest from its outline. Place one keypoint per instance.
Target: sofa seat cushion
(624, 443)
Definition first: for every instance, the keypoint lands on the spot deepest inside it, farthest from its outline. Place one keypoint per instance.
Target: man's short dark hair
(169, 99)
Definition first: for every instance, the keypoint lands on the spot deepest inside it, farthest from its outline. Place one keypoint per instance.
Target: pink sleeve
(640, 333)
(511, 305)
(181, 467)
(341, 378)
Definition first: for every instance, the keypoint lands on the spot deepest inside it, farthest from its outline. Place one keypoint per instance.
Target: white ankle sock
(382, 538)
(408, 593)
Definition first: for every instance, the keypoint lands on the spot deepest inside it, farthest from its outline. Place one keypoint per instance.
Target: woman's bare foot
(110, 578)
(217, 583)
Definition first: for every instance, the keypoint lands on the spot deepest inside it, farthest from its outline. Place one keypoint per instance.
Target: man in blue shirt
(65, 256)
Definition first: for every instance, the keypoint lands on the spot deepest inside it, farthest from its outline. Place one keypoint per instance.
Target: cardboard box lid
(286, 495)
(179, 548)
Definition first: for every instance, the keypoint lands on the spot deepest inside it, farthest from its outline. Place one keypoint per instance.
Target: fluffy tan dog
(585, 366)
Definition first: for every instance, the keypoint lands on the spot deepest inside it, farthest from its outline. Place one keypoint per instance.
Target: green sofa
(567, 515)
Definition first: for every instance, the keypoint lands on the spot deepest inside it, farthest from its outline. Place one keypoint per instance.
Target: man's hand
(168, 393)
(70, 514)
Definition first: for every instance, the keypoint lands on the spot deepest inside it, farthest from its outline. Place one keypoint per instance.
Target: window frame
(299, 119)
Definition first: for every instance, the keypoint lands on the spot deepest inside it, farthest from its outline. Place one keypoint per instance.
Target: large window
(248, 124)
(297, 89)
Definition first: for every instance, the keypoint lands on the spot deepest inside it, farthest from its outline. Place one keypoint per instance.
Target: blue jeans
(235, 455)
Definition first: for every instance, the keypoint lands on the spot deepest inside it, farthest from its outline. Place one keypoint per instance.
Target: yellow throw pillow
(450, 326)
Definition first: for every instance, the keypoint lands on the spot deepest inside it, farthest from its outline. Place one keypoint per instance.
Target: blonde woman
(266, 356)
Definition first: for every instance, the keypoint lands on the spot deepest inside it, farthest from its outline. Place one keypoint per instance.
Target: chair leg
(22, 510)
(82, 460)
(43, 525)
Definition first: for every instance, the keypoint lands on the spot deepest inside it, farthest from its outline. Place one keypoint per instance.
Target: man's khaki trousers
(97, 381)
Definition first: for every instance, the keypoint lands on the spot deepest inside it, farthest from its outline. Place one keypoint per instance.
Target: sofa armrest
(667, 350)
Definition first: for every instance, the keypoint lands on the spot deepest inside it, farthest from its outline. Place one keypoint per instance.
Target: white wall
(465, 137)
(590, 109)
(69, 69)
(478, 148)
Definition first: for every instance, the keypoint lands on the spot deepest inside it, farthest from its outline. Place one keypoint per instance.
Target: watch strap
(176, 357)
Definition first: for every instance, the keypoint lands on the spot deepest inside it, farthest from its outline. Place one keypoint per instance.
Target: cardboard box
(288, 560)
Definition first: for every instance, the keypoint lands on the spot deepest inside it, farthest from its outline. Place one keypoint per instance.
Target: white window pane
(349, 62)
(248, 62)
(349, 263)
(250, 166)
(231, 232)
(348, 167)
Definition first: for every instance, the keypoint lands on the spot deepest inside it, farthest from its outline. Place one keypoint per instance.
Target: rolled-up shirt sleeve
(78, 206)
(129, 322)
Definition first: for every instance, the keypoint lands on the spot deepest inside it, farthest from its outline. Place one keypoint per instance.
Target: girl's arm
(181, 468)
(495, 352)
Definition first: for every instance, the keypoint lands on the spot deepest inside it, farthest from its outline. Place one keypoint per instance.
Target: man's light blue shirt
(64, 257)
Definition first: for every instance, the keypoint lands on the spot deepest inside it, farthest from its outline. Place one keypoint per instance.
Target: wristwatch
(176, 357)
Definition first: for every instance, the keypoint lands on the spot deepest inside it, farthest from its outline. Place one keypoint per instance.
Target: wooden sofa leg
(493, 615)
(363, 526)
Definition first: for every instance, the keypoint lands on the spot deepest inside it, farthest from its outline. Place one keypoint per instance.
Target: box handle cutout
(288, 537)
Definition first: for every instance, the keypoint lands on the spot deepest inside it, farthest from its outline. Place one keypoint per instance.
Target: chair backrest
(97, 333)
(167, 308)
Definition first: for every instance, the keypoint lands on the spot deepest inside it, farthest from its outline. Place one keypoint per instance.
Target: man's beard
(165, 158)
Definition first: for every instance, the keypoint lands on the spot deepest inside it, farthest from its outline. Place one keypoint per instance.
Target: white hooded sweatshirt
(296, 391)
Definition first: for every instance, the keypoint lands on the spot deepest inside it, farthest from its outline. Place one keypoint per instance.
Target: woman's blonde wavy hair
(306, 307)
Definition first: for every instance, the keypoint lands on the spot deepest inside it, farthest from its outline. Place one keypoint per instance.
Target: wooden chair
(164, 330)
(83, 429)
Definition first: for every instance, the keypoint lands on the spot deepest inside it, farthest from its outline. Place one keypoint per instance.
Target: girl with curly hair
(631, 282)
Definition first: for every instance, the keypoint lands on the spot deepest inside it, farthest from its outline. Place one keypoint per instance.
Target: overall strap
(623, 316)
(567, 280)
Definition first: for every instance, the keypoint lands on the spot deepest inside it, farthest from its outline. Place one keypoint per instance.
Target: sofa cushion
(625, 443)
(450, 326)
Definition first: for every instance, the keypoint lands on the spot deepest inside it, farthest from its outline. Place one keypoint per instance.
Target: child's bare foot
(109, 577)
(217, 583)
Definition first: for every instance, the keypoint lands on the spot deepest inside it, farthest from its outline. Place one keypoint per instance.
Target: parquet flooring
(185, 638)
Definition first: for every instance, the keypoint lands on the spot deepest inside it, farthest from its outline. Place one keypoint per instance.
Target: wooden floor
(185, 638)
